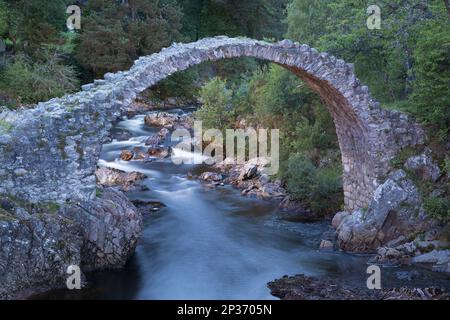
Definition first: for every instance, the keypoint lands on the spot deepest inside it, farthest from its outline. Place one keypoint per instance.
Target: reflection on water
(212, 243)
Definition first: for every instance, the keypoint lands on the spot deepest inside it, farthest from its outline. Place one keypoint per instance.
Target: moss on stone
(98, 192)
(51, 207)
(403, 155)
(5, 126)
(62, 146)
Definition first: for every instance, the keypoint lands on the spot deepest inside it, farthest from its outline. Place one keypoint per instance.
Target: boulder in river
(111, 226)
(158, 139)
(126, 155)
(248, 171)
(139, 153)
(211, 177)
(159, 152)
(148, 207)
(161, 119)
(438, 259)
(127, 181)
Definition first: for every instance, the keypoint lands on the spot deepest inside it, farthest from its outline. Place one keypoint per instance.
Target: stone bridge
(49, 153)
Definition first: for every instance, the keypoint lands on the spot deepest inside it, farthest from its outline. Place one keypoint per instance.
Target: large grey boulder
(35, 251)
(439, 259)
(38, 244)
(424, 167)
(394, 216)
(110, 226)
(248, 171)
(127, 181)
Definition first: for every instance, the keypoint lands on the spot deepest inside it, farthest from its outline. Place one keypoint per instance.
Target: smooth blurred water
(214, 243)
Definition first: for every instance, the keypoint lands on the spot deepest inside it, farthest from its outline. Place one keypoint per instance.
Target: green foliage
(447, 165)
(114, 35)
(216, 99)
(276, 92)
(255, 19)
(181, 84)
(5, 126)
(321, 190)
(431, 95)
(437, 207)
(28, 82)
(4, 16)
(405, 63)
(30, 23)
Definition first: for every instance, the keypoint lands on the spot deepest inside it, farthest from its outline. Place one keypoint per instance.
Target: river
(214, 243)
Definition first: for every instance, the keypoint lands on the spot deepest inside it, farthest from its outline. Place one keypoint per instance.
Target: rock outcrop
(394, 216)
(301, 287)
(39, 242)
(424, 167)
(110, 226)
(36, 247)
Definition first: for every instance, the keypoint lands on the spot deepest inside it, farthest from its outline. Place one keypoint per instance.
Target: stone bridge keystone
(49, 153)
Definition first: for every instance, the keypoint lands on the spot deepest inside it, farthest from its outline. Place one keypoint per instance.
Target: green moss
(98, 192)
(62, 146)
(80, 151)
(32, 208)
(51, 207)
(42, 143)
(5, 126)
(60, 244)
(404, 155)
(438, 207)
(7, 217)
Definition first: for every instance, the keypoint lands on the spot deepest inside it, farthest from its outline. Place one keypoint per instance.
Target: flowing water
(216, 244)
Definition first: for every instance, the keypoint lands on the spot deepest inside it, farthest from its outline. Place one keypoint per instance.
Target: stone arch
(369, 136)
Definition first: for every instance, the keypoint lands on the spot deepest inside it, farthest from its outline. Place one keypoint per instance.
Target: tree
(430, 100)
(114, 33)
(30, 23)
(28, 82)
(255, 19)
(216, 99)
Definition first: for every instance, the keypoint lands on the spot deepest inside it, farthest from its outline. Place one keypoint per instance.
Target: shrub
(438, 207)
(430, 100)
(27, 82)
(320, 190)
(216, 109)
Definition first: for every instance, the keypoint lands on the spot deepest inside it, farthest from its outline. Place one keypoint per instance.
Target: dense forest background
(406, 65)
